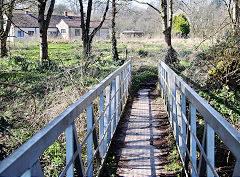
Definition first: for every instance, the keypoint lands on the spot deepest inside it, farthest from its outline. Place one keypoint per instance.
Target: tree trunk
(43, 46)
(171, 55)
(7, 9)
(85, 25)
(43, 27)
(114, 40)
(235, 16)
(4, 50)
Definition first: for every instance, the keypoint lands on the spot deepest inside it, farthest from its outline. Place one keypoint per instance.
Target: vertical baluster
(27, 173)
(175, 118)
(210, 149)
(127, 71)
(164, 86)
(101, 124)
(121, 95)
(89, 140)
(179, 118)
(69, 149)
(171, 101)
(118, 98)
(183, 129)
(125, 86)
(108, 113)
(113, 107)
(161, 80)
(193, 151)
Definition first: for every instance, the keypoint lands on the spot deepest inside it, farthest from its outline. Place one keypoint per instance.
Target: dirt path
(140, 146)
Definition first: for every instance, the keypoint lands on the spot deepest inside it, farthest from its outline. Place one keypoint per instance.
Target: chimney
(26, 12)
(66, 13)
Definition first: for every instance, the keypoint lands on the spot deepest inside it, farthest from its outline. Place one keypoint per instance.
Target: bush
(142, 53)
(181, 25)
(225, 59)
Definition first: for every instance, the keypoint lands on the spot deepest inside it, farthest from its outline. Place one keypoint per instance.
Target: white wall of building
(17, 35)
(63, 26)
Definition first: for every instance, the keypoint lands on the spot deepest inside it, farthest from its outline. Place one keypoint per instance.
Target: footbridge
(104, 105)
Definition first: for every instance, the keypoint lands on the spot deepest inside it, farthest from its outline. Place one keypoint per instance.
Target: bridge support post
(210, 149)
(193, 148)
(183, 123)
(69, 149)
(101, 124)
(118, 91)
(89, 140)
(113, 108)
(108, 114)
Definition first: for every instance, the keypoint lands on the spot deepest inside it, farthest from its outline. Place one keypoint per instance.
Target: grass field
(32, 95)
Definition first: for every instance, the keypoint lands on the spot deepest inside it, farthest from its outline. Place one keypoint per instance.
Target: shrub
(181, 25)
(142, 53)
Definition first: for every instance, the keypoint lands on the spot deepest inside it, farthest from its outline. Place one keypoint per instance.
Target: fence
(177, 95)
(112, 93)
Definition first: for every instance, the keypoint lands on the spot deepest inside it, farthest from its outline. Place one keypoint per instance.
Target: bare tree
(114, 40)
(87, 36)
(59, 9)
(166, 16)
(6, 8)
(43, 22)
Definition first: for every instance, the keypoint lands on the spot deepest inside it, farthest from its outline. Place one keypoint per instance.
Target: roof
(76, 23)
(31, 21)
(133, 32)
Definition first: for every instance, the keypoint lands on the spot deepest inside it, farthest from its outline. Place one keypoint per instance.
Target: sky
(134, 3)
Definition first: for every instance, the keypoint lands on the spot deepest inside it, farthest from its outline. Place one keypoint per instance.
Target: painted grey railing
(112, 93)
(176, 93)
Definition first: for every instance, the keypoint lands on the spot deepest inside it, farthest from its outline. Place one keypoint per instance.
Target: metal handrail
(175, 91)
(25, 160)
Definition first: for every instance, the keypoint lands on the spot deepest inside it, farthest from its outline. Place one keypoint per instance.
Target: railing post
(210, 149)
(69, 149)
(174, 105)
(108, 113)
(90, 139)
(183, 129)
(193, 150)
(118, 91)
(179, 119)
(26, 173)
(101, 124)
(122, 90)
(113, 107)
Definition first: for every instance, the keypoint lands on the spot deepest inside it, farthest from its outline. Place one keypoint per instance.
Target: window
(77, 32)
(52, 33)
(63, 31)
(20, 33)
(30, 33)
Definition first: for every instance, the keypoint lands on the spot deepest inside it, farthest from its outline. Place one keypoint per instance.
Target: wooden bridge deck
(140, 143)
